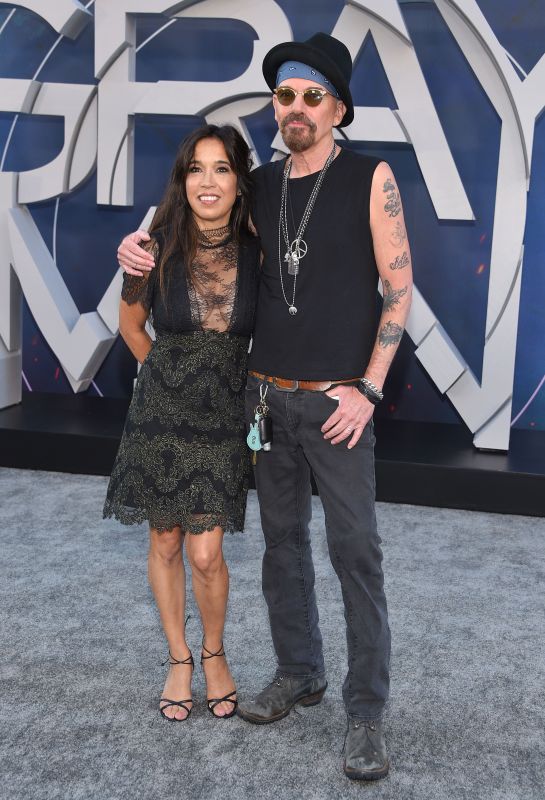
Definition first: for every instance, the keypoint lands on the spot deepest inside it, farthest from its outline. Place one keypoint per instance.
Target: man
(330, 222)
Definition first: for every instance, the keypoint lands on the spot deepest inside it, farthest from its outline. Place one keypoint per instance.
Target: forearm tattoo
(400, 261)
(391, 296)
(389, 334)
(393, 201)
(399, 235)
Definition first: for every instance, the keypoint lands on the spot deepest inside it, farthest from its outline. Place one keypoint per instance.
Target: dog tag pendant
(293, 264)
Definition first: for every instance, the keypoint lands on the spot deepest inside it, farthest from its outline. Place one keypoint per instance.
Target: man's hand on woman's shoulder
(132, 258)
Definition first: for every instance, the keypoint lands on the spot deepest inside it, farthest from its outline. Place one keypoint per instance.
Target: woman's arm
(132, 327)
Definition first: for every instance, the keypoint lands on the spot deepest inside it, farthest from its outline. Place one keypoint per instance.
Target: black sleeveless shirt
(333, 333)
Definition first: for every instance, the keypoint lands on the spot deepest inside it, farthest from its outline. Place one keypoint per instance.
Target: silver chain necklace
(297, 249)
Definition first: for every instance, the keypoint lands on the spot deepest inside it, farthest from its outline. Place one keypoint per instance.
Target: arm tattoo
(393, 201)
(390, 333)
(400, 261)
(391, 296)
(399, 235)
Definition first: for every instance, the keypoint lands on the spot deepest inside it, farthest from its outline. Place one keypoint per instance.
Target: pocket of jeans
(371, 426)
(367, 438)
(252, 383)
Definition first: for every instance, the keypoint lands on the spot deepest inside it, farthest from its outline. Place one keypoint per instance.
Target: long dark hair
(174, 216)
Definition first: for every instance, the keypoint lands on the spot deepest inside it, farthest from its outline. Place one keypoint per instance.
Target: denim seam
(348, 605)
(305, 596)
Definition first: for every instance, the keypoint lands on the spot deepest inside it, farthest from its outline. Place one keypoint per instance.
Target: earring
(239, 192)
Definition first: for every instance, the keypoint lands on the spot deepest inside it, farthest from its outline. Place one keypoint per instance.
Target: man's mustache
(298, 117)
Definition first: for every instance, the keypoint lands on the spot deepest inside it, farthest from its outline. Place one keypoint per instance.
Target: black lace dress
(183, 458)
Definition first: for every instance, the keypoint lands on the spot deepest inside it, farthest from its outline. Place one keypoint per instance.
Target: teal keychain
(253, 440)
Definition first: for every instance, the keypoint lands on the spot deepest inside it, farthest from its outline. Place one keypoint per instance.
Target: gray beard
(297, 140)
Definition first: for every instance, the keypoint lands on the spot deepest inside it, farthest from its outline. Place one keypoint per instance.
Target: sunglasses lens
(285, 96)
(312, 97)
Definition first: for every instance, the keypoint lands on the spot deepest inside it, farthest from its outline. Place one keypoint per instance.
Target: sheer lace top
(220, 295)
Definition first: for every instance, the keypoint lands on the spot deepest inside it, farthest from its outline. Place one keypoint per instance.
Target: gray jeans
(346, 484)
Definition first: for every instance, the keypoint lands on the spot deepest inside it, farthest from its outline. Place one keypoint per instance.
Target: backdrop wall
(95, 98)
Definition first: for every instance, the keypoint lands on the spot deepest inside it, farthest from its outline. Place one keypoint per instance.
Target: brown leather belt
(287, 385)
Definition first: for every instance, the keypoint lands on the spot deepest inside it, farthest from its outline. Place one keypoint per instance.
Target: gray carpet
(81, 644)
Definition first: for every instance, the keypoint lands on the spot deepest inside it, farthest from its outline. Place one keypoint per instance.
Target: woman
(183, 461)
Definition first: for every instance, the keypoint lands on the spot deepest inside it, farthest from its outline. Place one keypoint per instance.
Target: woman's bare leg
(166, 575)
(211, 590)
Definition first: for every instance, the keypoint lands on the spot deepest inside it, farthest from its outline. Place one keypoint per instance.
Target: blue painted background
(451, 259)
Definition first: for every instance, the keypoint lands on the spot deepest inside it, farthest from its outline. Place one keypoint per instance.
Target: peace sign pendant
(297, 250)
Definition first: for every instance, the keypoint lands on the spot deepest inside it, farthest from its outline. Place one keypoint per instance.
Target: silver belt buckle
(283, 389)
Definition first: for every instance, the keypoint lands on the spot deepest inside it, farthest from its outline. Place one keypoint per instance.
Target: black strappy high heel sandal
(215, 701)
(182, 703)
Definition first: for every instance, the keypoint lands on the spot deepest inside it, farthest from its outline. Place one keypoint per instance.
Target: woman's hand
(131, 257)
(350, 418)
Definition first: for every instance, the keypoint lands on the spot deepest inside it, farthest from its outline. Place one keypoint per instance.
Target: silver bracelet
(373, 388)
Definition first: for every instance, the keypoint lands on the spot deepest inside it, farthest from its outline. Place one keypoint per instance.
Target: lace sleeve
(138, 289)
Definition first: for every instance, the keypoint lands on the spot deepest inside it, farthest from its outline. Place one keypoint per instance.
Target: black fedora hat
(323, 52)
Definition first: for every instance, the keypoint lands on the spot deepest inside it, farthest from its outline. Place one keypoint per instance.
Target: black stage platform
(416, 462)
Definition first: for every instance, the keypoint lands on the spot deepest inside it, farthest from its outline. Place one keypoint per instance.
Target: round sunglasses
(312, 97)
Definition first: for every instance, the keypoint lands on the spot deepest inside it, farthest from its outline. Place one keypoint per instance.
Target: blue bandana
(296, 69)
